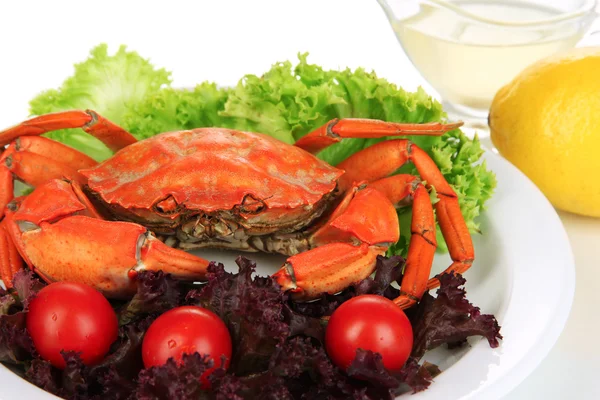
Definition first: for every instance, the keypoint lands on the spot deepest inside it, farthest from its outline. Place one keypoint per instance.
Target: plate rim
(535, 355)
(546, 343)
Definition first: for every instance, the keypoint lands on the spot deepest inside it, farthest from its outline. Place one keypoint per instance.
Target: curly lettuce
(275, 352)
(108, 84)
(175, 109)
(286, 102)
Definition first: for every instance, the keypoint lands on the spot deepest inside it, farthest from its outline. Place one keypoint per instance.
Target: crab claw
(106, 255)
(327, 269)
(155, 255)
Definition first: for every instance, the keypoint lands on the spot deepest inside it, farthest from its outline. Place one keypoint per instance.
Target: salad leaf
(156, 293)
(16, 345)
(26, 285)
(387, 271)
(292, 101)
(108, 84)
(369, 366)
(74, 383)
(449, 318)
(42, 374)
(175, 109)
(253, 308)
(113, 378)
(282, 354)
(300, 368)
(124, 358)
(175, 380)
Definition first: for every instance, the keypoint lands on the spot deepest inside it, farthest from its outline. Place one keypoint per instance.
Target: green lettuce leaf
(175, 109)
(107, 84)
(288, 102)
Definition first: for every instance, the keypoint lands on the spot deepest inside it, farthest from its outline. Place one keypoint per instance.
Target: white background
(221, 41)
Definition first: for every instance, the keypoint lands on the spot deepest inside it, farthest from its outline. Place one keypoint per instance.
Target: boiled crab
(100, 223)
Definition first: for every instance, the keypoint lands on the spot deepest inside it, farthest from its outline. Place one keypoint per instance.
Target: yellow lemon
(547, 123)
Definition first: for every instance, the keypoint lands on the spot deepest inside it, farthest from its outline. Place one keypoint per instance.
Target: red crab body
(100, 224)
(214, 187)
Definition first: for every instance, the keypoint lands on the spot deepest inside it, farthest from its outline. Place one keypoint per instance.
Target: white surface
(221, 41)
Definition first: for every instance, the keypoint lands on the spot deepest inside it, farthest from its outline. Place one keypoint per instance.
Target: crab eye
(167, 205)
(251, 205)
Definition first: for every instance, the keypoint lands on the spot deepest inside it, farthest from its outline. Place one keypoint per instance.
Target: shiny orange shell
(212, 169)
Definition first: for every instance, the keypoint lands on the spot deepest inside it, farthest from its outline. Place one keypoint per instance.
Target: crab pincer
(63, 239)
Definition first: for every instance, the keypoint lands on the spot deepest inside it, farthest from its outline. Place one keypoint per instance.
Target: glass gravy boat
(468, 49)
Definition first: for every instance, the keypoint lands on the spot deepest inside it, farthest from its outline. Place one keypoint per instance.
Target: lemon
(547, 123)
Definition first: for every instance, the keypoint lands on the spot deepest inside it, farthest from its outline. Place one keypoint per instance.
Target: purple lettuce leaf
(16, 345)
(416, 377)
(112, 378)
(254, 310)
(74, 378)
(114, 385)
(80, 382)
(43, 375)
(70, 383)
(8, 302)
(229, 388)
(26, 285)
(278, 343)
(368, 366)
(324, 305)
(301, 369)
(449, 318)
(388, 270)
(305, 325)
(262, 386)
(125, 355)
(309, 373)
(157, 292)
(175, 380)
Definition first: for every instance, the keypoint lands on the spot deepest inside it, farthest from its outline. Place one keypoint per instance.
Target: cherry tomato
(185, 330)
(71, 316)
(369, 322)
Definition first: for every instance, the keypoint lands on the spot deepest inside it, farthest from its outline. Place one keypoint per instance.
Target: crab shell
(215, 187)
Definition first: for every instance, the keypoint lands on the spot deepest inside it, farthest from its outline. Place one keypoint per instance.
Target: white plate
(524, 274)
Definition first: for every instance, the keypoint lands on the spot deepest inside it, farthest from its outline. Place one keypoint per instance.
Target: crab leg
(33, 160)
(338, 129)
(10, 261)
(385, 158)
(421, 249)
(51, 149)
(6, 188)
(113, 136)
(35, 169)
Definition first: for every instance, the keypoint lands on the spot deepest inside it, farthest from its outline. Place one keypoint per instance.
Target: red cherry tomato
(369, 322)
(72, 317)
(185, 330)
